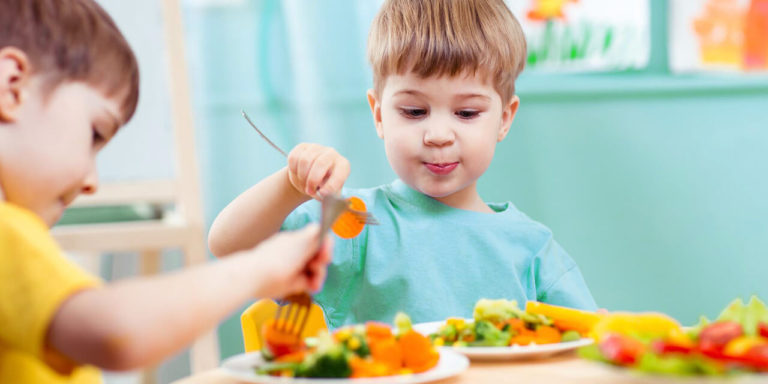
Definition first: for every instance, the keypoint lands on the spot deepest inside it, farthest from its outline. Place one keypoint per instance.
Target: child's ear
(376, 112)
(14, 74)
(507, 115)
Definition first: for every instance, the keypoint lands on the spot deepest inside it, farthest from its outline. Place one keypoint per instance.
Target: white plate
(532, 351)
(243, 367)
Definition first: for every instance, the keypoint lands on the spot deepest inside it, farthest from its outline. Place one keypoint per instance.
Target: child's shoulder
(516, 221)
(17, 221)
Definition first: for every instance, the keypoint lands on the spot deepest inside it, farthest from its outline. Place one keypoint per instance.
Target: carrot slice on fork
(349, 225)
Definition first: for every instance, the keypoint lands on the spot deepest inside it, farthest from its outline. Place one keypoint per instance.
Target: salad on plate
(736, 342)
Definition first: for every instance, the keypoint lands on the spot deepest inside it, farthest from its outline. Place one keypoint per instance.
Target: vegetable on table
(348, 225)
(563, 317)
(736, 342)
(365, 350)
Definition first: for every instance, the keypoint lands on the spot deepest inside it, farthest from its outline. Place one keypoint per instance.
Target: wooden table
(561, 369)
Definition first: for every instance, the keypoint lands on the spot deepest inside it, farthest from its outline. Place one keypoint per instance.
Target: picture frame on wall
(718, 36)
(585, 35)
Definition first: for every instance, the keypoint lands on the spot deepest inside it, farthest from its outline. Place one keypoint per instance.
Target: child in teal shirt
(443, 96)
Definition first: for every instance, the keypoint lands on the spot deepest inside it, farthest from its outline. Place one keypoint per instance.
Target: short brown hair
(72, 40)
(447, 37)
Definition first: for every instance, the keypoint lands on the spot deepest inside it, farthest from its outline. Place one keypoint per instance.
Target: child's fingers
(337, 178)
(321, 168)
(299, 162)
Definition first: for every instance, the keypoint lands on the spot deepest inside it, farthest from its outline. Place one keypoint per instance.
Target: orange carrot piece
(515, 324)
(546, 335)
(388, 352)
(376, 330)
(428, 363)
(347, 225)
(367, 368)
(418, 353)
(524, 337)
(293, 357)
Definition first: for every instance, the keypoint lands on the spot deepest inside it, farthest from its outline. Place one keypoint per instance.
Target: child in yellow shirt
(68, 82)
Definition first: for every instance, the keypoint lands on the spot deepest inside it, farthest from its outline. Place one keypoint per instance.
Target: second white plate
(514, 352)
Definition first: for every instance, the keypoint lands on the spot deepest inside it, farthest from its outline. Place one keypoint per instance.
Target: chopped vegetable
(348, 225)
(570, 336)
(564, 318)
(496, 310)
(369, 350)
(736, 342)
(487, 335)
(279, 342)
(643, 326)
(621, 349)
(418, 353)
(501, 323)
(402, 323)
(331, 363)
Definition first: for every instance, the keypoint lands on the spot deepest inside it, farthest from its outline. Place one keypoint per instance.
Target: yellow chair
(265, 309)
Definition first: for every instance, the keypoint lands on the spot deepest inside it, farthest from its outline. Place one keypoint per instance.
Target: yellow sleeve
(35, 279)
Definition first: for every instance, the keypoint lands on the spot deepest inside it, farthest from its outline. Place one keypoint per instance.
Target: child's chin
(53, 215)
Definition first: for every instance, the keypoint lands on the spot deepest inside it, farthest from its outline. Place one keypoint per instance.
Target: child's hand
(290, 262)
(317, 171)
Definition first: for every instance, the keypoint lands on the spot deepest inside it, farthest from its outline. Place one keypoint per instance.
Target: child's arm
(312, 172)
(139, 322)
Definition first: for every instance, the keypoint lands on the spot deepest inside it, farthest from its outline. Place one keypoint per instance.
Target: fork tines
(291, 317)
(364, 217)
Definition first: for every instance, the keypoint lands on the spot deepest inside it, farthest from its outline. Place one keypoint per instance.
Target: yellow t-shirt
(35, 279)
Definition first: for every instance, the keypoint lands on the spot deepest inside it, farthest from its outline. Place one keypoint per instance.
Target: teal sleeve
(559, 280)
(301, 216)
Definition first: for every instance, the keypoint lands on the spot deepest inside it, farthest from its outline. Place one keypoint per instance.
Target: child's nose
(439, 134)
(91, 182)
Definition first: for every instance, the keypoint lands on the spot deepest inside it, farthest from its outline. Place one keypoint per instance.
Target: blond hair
(447, 37)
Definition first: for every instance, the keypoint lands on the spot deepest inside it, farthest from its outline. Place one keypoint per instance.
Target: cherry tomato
(714, 337)
(622, 350)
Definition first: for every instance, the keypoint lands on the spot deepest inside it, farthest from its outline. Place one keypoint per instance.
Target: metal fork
(292, 316)
(362, 217)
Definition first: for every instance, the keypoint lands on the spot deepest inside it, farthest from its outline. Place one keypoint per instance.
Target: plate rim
(457, 364)
(511, 351)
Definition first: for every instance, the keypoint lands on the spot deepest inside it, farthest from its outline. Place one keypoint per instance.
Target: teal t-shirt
(433, 261)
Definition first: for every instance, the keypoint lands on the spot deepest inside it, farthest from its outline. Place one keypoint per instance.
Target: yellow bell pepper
(649, 325)
(565, 318)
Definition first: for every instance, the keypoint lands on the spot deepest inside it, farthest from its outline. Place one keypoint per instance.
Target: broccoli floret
(332, 363)
(448, 332)
(488, 335)
(358, 345)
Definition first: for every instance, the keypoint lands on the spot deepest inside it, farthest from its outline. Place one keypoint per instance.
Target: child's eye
(467, 113)
(97, 137)
(413, 113)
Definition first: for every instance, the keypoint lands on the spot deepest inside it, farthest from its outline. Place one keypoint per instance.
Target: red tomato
(622, 350)
(279, 342)
(715, 336)
(757, 356)
(763, 329)
(665, 347)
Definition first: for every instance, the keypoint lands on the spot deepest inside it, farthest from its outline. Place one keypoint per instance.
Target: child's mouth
(441, 168)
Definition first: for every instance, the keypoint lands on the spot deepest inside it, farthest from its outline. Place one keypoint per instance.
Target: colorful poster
(707, 35)
(585, 35)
